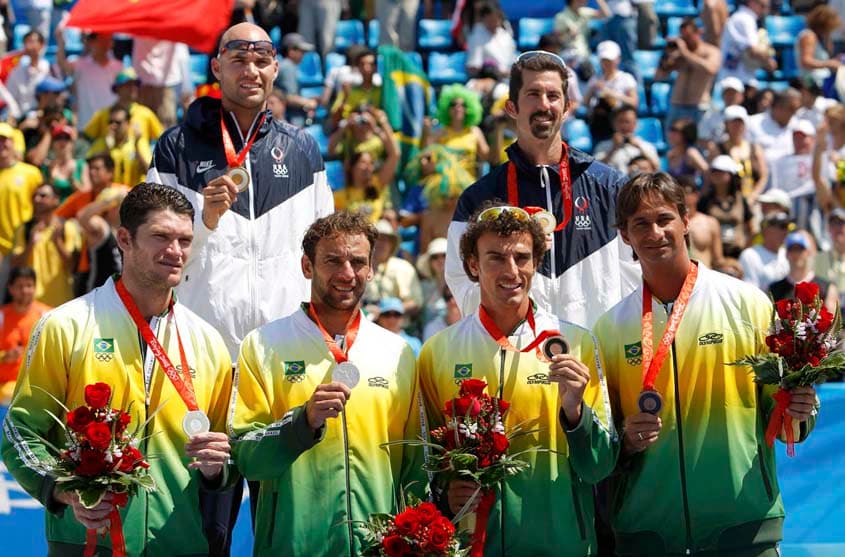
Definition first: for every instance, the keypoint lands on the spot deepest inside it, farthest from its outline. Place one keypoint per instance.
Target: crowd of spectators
(751, 124)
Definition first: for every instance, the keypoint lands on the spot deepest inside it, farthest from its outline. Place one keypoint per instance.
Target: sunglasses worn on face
(117, 122)
(495, 212)
(261, 48)
(525, 56)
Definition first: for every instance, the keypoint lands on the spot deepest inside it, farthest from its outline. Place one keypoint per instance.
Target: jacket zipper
(348, 485)
(251, 279)
(682, 462)
(502, 353)
(148, 385)
(546, 185)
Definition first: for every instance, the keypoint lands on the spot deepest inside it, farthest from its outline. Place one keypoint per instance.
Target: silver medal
(346, 373)
(195, 422)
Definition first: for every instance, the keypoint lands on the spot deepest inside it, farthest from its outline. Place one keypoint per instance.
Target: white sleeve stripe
(233, 400)
(24, 452)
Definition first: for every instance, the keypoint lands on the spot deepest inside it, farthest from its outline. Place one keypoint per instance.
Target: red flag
(198, 23)
(8, 63)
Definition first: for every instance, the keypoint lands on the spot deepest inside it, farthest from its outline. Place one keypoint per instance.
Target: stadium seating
(447, 68)
(530, 30)
(348, 32)
(334, 60)
(642, 100)
(18, 32)
(310, 70)
(199, 69)
(335, 175)
(372, 34)
(647, 62)
(316, 130)
(276, 35)
(434, 34)
(660, 93)
(73, 40)
(788, 67)
(577, 133)
(311, 92)
(674, 8)
(784, 29)
(651, 130)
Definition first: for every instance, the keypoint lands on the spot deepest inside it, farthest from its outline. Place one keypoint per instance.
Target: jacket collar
(578, 161)
(204, 117)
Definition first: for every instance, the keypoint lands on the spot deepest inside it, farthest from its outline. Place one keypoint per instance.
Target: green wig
(447, 181)
(472, 102)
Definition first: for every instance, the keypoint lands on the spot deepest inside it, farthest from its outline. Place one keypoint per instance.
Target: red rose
(472, 387)
(97, 395)
(500, 443)
(460, 407)
(99, 435)
(78, 419)
(407, 523)
(784, 308)
(807, 292)
(503, 406)
(439, 535)
(123, 421)
(91, 463)
(825, 320)
(427, 512)
(395, 546)
(131, 459)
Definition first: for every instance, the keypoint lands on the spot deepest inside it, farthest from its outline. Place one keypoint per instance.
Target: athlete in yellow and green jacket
(93, 339)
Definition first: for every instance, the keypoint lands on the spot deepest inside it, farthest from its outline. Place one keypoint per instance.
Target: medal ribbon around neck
(339, 355)
(184, 386)
(652, 362)
(565, 187)
(233, 158)
(502, 339)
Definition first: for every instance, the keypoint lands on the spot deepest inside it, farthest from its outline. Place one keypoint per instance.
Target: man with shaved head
(256, 184)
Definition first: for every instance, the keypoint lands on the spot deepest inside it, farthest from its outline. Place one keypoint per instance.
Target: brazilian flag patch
(463, 371)
(104, 349)
(295, 371)
(634, 353)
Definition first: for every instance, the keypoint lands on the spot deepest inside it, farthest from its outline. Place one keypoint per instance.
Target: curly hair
(340, 222)
(472, 103)
(506, 224)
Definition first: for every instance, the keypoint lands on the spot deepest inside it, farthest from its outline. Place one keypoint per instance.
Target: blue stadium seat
(312, 92)
(372, 34)
(788, 67)
(199, 69)
(348, 32)
(775, 86)
(434, 34)
(642, 100)
(18, 33)
(334, 60)
(783, 29)
(651, 130)
(660, 93)
(597, 32)
(276, 35)
(530, 30)
(73, 40)
(576, 132)
(647, 62)
(310, 70)
(674, 8)
(447, 68)
(335, 175)
(316, 130)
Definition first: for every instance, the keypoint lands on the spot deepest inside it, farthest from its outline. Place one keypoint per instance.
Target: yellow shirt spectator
(143, 120)
(131, 158)
(356, 97)
(54, 278)
(17, 184)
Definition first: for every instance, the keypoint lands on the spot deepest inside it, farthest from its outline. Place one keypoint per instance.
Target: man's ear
(215, 67)
(511, 109)
(307, 267)
(472, 264)
(124, 239)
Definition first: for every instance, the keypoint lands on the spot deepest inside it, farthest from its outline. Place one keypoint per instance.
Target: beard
(543, 130)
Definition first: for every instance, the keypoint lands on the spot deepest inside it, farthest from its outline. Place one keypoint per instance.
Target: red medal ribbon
(233, 158)
(482, 514)
(780, 420)
(502, 339)
(339, 355)
(115, 530)
(652, 362)
(565, 187)
(184, 386)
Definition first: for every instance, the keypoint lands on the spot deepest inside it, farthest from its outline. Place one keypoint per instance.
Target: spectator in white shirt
(29, 72)
(743, 50)
(622, 29)
(491, 40)
(164, 70)
(793, 174)
(772, 130)
(93, 73)
(829, 159)
(624, 147)
(711, 126)
(347, 73)
(813, 104)
(608, 89)
(765, 263)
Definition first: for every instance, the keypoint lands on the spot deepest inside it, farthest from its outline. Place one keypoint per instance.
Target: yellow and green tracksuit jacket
(547, 509)
(708, 484)
(93, 339)
(314, 484)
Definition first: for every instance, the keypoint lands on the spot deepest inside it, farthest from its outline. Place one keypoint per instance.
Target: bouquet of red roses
(473, 445)
(101, 456)
(801, 340)
(418, 530)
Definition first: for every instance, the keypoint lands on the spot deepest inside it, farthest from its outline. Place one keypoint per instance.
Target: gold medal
(240, 177)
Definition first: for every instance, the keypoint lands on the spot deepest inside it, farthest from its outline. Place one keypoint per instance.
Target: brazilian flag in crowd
(405, 97)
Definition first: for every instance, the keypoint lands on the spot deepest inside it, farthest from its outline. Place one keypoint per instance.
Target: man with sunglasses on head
(586, 269)
(560, 393)
(256, 184)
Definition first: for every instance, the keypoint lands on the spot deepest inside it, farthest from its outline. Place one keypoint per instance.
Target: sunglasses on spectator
(494, 213)
(390, 314)
(117, 122)
(453, 104)
(261, 48)
(525, 56)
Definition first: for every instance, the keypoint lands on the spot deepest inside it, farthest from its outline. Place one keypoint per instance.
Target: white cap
(732, 83)
(777, 197)
(609, 50)
(804, 126)
(725, 164)
(735, 112)
(437, 246)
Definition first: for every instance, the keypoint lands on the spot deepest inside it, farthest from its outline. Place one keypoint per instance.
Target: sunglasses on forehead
(261, 48)
(493, 213)
(525, 56)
